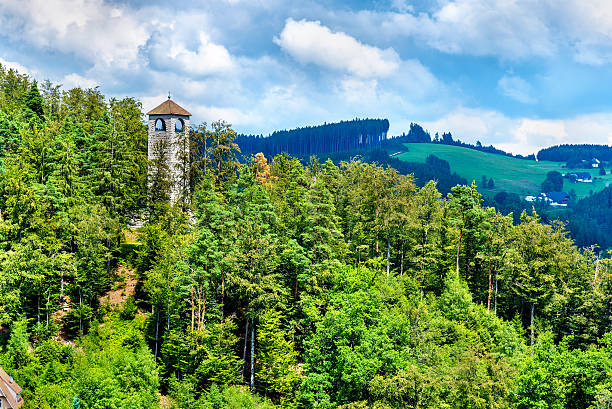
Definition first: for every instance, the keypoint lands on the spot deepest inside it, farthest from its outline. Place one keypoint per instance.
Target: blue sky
(519, 74)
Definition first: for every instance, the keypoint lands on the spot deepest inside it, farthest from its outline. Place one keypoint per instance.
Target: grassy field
(509, 174)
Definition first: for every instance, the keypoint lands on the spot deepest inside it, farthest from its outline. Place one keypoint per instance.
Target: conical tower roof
(169, 107)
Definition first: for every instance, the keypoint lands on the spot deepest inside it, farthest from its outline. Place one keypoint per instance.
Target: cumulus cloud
(311, 42)
(77, 81)
(168, 52)
(13, 65)
(511, 29)
(515, 29)
(92, 29)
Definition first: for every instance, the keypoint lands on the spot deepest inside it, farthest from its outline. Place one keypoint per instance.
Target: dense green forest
(312, 140)
(576, 153)
(273, 283)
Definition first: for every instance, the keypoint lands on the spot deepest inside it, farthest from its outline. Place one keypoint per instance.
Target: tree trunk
(192, 309)
(459, 250)
(156, 334)
(222, 291)
(252, 353)
(531, 326)
(168, 315)
(490, 287)
(244, 352)
(222, 269)
(495, 303)
(388, 254)
(47, 307)
(81, 311)
(204, 309)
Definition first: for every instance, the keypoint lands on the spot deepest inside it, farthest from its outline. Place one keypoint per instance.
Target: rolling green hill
(509, 174)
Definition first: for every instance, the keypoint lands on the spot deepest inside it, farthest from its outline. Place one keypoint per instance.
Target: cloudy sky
(519, 74)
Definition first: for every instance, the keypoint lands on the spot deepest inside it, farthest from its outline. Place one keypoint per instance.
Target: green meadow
(509, 174)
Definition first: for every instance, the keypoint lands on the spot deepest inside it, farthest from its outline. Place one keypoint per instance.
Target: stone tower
(168, 124)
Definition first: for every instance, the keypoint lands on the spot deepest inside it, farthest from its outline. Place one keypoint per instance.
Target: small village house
(555, 198)
(582, 177)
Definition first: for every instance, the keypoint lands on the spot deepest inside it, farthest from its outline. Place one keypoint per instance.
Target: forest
(313, 140)
(576, 153)
(273, 283)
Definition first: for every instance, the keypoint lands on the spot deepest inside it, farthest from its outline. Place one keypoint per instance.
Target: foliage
(277, 283)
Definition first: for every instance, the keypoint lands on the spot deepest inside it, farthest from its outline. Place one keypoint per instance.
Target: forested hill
(312, 140)
(570, 153)
(274, 284)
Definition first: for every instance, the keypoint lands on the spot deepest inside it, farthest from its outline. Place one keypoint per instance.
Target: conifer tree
(33, 102)
(321, 236)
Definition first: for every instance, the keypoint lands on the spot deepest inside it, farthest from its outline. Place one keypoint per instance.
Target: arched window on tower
(160, 125)
(179, 126)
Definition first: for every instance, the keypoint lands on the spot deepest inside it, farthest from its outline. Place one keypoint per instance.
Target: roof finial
(168, 94)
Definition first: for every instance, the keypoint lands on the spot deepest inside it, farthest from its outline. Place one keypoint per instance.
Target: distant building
(595, 163)
(10, 392)
(530, 198)
(167, 123)
(555, 198)
(583, 177)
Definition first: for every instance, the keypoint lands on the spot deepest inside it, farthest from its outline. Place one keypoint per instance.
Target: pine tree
(321, 236)
(33, 102)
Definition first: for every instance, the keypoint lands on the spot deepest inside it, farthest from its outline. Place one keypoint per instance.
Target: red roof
(169, 107)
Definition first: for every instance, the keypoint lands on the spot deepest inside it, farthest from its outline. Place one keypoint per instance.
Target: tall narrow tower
(168, 131)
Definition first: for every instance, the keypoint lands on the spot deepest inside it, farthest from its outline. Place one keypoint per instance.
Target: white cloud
(359, 90)
(77, 81)
(15, 66)
(233, 116)
(512, 29)
(311, 42)
(517, 89)
(171, 53)
(91, 29)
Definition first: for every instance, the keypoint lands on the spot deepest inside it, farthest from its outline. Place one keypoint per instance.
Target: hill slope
(509, 174)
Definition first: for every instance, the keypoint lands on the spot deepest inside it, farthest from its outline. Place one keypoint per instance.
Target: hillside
(512, 175)
(277, 285)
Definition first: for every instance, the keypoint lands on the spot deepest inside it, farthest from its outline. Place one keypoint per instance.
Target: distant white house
(530, 199)
(595, 163)
(556, 199)
(582, 177)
